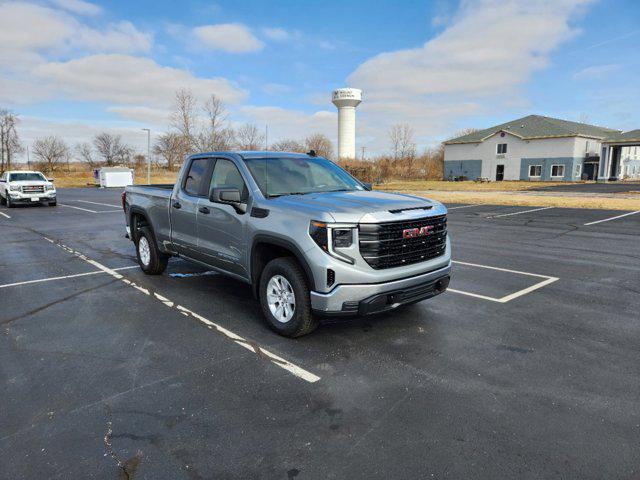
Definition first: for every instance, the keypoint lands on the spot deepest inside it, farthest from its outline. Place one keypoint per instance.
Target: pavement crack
(55, 302)
(128, 467)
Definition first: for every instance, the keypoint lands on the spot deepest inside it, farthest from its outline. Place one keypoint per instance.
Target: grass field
(442, 186)
(494, 193)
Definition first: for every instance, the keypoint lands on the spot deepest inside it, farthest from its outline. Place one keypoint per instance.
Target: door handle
(204, 210)
(177, 205)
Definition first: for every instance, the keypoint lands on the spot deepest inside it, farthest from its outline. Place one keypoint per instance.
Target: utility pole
(148, 155)
(266, 137)
(363, 153)
(28, 160)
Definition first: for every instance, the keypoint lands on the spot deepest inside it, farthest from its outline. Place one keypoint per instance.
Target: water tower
(347, 99)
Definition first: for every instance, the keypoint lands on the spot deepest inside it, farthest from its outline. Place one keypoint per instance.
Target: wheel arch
(265, 248)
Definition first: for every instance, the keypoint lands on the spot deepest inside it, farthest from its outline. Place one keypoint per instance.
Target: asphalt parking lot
(529, 366)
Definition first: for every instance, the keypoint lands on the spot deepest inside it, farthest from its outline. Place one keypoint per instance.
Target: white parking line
(612, 218)
(518, 213)
(50, 279)
(243, 342)
(507, 298)
(87, 210)
(98, 203)
(4, 215)
(464, 206)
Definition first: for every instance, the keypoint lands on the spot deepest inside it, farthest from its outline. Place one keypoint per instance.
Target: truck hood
(29, 183)
(363, 206)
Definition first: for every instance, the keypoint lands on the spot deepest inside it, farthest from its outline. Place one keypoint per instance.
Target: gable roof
(537, 126)
(630, 136)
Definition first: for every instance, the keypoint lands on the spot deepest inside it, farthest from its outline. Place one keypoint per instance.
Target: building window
(578, 171)
(557, 170)
(502, 148)
(535, 170)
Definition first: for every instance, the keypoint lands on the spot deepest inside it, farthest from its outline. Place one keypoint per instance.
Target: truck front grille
(32, 189)
(393, 244)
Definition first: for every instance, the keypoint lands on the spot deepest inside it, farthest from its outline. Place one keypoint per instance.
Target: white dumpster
(115, 177)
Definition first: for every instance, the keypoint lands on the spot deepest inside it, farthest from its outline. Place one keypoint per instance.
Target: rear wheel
(284, 297)
(151, 260)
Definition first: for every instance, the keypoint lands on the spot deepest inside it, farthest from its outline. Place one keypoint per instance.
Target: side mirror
(229, 196)
(368, 186)
(50, 180)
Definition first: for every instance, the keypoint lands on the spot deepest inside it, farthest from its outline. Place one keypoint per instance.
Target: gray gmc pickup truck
(309, 238)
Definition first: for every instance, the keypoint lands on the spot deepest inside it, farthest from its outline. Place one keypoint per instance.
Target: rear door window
(193, 183)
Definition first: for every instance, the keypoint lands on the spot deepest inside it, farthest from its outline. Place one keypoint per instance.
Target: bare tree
(170, 147)
(289, 145)
(403, 145)
(184, 119)
(50, 151)
(85, 152)
(10, 144)
(248, 137)
(112, 149)
(583, 118)
(216, 133)
(321, 144)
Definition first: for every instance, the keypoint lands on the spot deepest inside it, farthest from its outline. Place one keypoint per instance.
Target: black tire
(8, 200)
(2, 200)
(302, 321)
(157, 261)
(53, 204)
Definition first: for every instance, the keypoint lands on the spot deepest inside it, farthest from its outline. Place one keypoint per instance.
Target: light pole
(148, 155)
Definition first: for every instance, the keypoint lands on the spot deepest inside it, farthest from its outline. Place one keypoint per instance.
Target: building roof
(621, 137)
(537, 126)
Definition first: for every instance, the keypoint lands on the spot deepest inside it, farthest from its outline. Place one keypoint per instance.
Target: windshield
(289, 176)
(27, 177)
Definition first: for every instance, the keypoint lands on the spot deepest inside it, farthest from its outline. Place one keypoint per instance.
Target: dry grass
(82, 178)
(468, 186)
(496, 198)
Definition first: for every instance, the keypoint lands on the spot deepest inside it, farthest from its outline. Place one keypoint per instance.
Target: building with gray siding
(545, 149)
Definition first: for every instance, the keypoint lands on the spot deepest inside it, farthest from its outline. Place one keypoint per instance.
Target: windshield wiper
(274, 195)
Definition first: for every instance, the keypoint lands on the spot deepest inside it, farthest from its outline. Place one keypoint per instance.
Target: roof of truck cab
(248, 154)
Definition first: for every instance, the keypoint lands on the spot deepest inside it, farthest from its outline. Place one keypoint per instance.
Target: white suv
(19, 186)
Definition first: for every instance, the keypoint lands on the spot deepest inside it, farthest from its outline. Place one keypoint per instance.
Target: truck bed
(154, 200)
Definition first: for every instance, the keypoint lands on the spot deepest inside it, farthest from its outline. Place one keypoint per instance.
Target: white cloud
(125, 79)
(77, 131)
(121, 37)
(277, 34)
(488, 50)
(285, 123)
(228, 37)
(79, 7)
(148, 115)
(276, 89)
(595, 72)
(28, 29)
(26, 26)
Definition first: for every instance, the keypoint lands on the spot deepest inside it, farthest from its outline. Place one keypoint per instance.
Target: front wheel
(53, 204)
(9, 202)
(284, 297)
(151, 260)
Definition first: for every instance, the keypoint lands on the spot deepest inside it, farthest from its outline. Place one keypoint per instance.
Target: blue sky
(73, 68)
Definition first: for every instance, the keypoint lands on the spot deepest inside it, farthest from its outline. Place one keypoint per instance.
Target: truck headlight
(330, 237)
(342, 237)
(50, 188)
(14, 188)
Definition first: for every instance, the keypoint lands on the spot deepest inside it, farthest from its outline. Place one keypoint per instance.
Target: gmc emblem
(417, 232)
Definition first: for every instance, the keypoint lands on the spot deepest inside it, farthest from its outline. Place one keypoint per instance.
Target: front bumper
(18, 197)
(364, 299)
